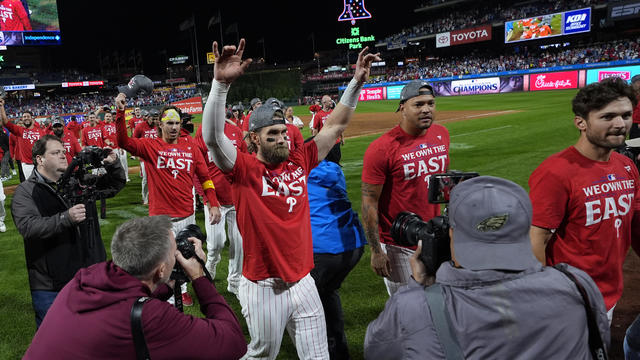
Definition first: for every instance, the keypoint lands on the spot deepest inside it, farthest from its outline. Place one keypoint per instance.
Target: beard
(58, 132)
(274, 154)
(606, 142)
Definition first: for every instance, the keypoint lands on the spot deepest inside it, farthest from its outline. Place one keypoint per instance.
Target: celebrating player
(586, 199)
(395, 178)
(25, 137)
(276, 290)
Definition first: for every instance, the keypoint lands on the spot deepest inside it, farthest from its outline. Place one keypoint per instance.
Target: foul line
(481, 131)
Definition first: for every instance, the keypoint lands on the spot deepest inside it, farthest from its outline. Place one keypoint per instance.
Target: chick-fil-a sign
(554, 81)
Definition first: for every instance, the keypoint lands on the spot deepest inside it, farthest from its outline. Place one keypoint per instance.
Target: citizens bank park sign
(465, 36)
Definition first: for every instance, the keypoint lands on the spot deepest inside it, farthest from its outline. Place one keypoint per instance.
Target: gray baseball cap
(254, 101)
(412, 89)
(57, 121)
(491, 218)
(154, 112)
(275, 102)
(264, 116)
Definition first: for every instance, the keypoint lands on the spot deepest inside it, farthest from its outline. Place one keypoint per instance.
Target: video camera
(408, 228)
(78, 183)
(631, 149)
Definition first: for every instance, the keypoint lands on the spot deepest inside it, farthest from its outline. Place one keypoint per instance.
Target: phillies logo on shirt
(424, 160)
(32, 136)
(289, 184)
(175, 160)
(608, 199)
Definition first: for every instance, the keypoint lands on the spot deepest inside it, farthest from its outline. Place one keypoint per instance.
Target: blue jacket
(334, 225)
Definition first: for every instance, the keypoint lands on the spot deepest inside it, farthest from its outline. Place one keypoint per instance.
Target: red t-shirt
(144, 130)
(245, 122)
(14, 17)
(109, 133)
(169, 168)
(221, 180)
(273, 214)
(403, 164)
(295, 137)
(71, 144)
(92, 136)
(134, 122)
(591, 204)
(636, 114)
(24, 140)
(319, 118)
(75, 128)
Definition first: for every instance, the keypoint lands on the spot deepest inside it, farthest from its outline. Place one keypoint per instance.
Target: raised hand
(363, 66)
(229, 64)
(121, 101)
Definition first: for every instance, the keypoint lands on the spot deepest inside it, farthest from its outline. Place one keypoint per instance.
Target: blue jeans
(42, 301)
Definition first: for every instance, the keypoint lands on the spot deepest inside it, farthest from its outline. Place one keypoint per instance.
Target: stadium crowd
(68, 104)
(469, 14)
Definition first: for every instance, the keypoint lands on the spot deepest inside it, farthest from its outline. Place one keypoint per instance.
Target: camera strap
(142, 352)
(596, 345)
(441, 321)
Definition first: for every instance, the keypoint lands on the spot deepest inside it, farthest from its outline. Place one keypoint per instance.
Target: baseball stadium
(503, 76)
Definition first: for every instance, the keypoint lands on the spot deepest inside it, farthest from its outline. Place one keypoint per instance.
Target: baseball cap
(412, 89)
(57, 121)
(264, 116)
(138, 85)
(154, 112)
(254, 101)
(491, 218)
(275, 102)
(145, 113)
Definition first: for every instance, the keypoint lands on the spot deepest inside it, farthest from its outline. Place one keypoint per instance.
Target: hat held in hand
(138, 85)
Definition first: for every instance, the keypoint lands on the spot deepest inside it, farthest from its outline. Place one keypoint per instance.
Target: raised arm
(339, 118)
(3, 115)
(228, 67)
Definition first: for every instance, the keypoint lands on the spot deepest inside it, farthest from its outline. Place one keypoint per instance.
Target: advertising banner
(19, 87)
(82, 83)
(393, 92)
(480, 86)
(623, 72)
(624, 10)
(545, 26)
(464, 36)
(190, 106)
(554, 81)
(374, 93)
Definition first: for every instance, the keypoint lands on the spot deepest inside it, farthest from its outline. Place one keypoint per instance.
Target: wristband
(351, 94)
(208, 185)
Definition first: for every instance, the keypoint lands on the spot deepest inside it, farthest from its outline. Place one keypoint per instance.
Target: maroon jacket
(90, 319)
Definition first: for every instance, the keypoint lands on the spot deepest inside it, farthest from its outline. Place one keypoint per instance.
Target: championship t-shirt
(220, 179)
(109, 133)
(134, 122)
(144, 130)
(273, 214)
(71, 145)
(92, 136)
(636, 114)
(24, 140)
(245, 122)
(403, 164)
(13, 16)
(591, 204)
(319, 118)
(170, 169)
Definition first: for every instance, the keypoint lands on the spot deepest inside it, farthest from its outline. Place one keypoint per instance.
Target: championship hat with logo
(491, 218)
(266, 115)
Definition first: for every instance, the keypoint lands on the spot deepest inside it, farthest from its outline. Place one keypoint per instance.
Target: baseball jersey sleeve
(549, 197)
(202, 172)
(15, 129)
(374, 166)
(134, 146)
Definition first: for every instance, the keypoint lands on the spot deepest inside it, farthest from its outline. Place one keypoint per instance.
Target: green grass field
(509, 146)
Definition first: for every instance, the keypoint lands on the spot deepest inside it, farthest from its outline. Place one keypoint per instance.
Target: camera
(78, 183)
(187, 249)
(408, 228)
(631, 149)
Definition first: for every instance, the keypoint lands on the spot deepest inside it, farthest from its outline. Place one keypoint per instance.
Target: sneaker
(13, 172)
(3, 227)
(187, 300)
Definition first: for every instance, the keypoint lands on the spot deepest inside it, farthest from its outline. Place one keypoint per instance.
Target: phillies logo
(624, 75)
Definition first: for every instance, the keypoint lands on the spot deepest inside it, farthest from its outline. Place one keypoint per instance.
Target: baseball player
(92, 134)
(25, 137)
(319, 117)
(395, 177)
(276, 290)
(170, 164)
(147, 130)
(216, 235)
(110, 139)
(586, 199)
(69, 141)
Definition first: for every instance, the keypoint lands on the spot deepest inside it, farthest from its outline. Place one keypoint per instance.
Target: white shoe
(13, 172)
(3, 227)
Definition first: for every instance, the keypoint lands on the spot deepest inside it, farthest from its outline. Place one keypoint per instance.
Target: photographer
(91, 318)
(498, 301)
(57, 239)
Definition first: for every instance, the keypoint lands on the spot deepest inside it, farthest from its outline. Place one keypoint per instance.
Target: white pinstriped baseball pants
(270, 306)
(216, 237)
(144, 184)
(400, 267)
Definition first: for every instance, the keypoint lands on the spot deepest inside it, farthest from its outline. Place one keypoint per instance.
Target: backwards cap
(415, 88)
(264, 116)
